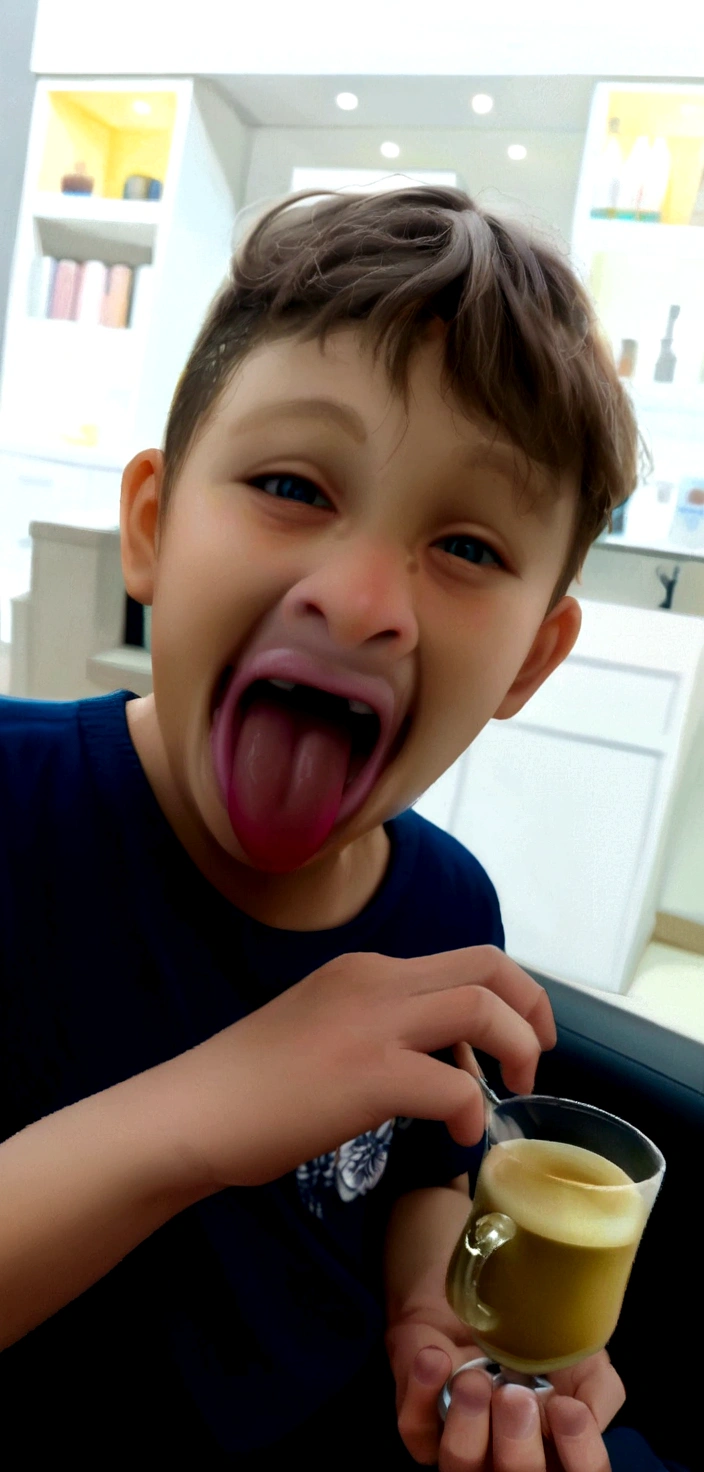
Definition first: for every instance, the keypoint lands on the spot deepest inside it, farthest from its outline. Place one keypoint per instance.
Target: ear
(555, 638)
(139, 514)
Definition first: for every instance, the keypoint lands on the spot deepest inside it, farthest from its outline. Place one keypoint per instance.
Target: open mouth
(294, 758)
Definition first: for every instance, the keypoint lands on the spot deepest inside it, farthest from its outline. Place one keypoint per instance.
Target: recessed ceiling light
(516, 150)
(482, 102)
(390, 150)
(348, 101)
(142, 107)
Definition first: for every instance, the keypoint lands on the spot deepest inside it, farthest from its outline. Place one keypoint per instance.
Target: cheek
(213, 578)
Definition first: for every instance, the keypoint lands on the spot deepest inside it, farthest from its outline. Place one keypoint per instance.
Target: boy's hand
(499, 1431)
(346, 1049)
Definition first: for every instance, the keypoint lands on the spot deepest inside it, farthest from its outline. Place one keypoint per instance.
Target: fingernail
(568, 1417)
(519, 1412)
(431, 1365)
(472, 1393)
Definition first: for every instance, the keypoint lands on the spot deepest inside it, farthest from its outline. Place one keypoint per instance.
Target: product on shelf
(608, 174)
(63, 294)
(688, 521)
(78, 182)
(90, 292)
(141, 186)
(628, 357)
(665, 366)
(41, 285)
(116, 300)
(657, 178)
(633, 179)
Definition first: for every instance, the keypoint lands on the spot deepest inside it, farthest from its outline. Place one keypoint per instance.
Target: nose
(362, 594)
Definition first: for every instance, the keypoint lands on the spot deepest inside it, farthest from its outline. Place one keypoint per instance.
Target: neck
(325, 893)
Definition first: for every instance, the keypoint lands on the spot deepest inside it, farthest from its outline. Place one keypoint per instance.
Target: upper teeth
(358, 707)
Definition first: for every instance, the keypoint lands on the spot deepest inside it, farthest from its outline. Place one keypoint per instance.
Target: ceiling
(559, 104)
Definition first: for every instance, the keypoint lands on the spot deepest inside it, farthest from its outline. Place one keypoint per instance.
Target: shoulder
(30, 729)
(43, 752)
(450, 880)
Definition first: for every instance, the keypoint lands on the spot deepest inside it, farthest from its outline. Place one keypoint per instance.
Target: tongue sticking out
(285, 785)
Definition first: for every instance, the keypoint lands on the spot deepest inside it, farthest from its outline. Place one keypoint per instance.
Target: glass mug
(562, 1198)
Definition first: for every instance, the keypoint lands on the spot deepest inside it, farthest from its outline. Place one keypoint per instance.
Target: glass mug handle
(487, 1234)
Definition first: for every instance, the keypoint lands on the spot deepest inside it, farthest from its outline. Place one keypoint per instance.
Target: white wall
(396, 37)
(542, 186)
(16, 94)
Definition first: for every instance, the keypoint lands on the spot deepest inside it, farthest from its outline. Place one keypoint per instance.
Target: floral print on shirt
(352, 1170)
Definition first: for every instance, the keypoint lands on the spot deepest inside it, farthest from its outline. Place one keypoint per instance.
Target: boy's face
(324, 533)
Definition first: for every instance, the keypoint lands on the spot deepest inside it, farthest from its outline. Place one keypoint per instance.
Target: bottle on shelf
(657, 178)
(628, 357)
(667, 362)
(607, 185)
(79, 182)
(634, 179)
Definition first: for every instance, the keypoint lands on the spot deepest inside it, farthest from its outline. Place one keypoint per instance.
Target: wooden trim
(674, 930)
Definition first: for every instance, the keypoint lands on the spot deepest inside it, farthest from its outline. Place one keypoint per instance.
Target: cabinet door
(560, 822)
(567, 805)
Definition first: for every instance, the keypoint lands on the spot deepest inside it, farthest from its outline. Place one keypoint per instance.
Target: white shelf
(634, 237)
(82, 227)
(132, 215)
(667, 398)
(620, 541)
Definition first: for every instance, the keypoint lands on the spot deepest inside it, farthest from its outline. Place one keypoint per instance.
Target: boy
(227, 946)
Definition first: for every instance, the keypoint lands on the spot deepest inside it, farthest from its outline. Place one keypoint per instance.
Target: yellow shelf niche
(678, 117)
(110, 134)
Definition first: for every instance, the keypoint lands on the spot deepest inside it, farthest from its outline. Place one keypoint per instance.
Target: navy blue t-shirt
(115, 954)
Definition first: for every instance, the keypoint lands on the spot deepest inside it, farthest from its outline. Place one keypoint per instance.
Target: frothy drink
(552, 1293)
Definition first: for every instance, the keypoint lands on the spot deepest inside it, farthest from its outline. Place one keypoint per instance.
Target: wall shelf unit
(76, 392)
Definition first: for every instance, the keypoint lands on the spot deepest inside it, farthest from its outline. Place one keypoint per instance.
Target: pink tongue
(285, 788)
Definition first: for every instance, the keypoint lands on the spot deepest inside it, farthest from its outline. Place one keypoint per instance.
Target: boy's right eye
(287, 487)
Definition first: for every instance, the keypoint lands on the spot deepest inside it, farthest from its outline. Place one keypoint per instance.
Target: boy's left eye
(471, 549)
(287, 487)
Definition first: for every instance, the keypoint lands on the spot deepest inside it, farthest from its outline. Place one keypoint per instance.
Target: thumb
(421, 1358)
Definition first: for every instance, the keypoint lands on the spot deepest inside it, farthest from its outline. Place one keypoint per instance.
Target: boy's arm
(426, 1343)
(335, 1055)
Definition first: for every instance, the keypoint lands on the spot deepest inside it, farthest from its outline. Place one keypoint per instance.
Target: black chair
(656, 1347)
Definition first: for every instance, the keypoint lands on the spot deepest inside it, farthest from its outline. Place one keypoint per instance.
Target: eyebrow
(341, 415)
(514, 466)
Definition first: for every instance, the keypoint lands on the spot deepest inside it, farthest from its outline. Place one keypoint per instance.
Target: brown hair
(523, 348)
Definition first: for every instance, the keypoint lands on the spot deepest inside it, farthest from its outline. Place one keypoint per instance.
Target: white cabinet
(567, 805)
(36, 489)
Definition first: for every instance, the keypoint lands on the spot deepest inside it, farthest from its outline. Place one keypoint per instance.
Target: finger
(465, 1439)
(482, 1019)
(486, 966)
(576, 1436)
(418, 1420)
(423, 1088)
(596, 1383)
(517, 1440)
